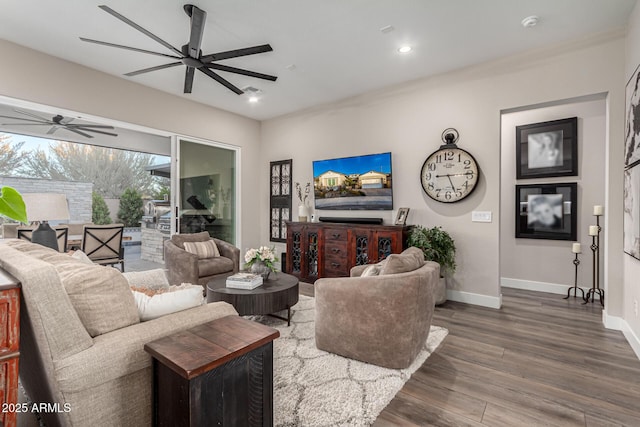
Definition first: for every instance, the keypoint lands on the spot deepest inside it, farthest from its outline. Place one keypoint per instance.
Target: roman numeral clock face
(449, 175)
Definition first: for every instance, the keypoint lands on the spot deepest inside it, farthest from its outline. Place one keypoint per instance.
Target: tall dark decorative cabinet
(316, 250)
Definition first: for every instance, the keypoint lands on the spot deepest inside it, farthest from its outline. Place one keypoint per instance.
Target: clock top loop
(450, 136)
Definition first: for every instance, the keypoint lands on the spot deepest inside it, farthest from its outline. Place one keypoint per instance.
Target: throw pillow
(372, 270)
(150, 279)
(203, 250)
(180, 239)
(401, 263)
(163, 302)
(81, 256)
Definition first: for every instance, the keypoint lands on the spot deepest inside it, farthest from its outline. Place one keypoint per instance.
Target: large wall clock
(450, 173)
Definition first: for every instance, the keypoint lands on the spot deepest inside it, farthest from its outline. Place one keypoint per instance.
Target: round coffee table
(278, 293)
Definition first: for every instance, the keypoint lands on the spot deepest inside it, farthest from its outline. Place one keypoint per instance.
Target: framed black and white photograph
(547, 211)
(547, 149)
(632, 121)
(401, 217)
(631, 221)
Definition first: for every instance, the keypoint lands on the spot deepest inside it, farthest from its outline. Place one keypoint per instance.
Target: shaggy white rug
(316, 388)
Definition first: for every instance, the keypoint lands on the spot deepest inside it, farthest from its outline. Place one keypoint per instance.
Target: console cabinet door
(304, 255)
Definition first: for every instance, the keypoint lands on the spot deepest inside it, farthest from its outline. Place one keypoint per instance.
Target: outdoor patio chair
(103, 244)
(62, 234)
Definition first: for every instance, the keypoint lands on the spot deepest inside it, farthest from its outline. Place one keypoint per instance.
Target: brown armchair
(185, 267)
(380, 319)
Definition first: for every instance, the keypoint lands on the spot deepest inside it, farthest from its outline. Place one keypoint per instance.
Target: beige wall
(409, 119)
(632, 265)
(550, 261)
(40, 78)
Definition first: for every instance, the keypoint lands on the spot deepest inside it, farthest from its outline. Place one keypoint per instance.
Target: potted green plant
(11, 204)
(437, 245)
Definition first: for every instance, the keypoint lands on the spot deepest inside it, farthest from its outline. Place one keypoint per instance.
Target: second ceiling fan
(190, 55)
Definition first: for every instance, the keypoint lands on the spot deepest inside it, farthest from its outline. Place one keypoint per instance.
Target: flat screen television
(354, 183)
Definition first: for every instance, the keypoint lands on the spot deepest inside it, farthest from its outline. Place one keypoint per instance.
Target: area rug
(316, 388)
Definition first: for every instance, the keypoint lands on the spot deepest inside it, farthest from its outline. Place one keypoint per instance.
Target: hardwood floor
(540, 360)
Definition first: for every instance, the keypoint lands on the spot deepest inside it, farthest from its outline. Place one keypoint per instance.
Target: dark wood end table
(219, 373)
(280, 292)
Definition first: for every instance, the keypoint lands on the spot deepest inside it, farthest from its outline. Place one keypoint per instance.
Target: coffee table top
(277, 282)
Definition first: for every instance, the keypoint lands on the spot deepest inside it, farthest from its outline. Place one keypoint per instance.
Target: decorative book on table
(244, 281)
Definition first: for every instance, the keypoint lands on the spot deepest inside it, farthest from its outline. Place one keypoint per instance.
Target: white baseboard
(530, 285)
(475, 299)
(619, 324)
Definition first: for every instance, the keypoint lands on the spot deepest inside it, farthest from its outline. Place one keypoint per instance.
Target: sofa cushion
(179, 239)
(203, 250)
(371, 270)
(167, 301)
(416, 252)
(150, 279)
(402, 263)
(81, 256)
(211, 266)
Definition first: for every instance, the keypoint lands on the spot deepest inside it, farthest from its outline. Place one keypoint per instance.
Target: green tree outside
(130, 213)
(100, 211)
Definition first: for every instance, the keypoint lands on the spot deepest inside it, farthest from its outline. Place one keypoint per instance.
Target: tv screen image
(354, 183)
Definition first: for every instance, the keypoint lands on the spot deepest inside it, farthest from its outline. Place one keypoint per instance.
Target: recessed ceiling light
(405, 49)
(253, 99)
(530, 21)
(387, 29)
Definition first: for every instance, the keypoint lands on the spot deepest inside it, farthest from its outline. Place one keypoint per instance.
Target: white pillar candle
(576, 248)
(598, 210)
(593, 230)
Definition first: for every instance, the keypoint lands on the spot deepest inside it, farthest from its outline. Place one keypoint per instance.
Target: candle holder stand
(595, 289)
(575, 287)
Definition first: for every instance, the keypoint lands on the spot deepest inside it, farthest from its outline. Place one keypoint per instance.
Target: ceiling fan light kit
(190, 55)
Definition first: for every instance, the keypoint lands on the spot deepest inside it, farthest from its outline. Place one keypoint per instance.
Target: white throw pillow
(372, 270)
(203, 250)
(151, 279)
(178, 298)
(81, 256)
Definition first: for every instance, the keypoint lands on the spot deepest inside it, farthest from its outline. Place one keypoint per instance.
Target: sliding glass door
(206, 189)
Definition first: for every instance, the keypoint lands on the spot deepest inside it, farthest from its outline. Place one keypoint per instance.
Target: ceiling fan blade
(52, 130)
(198, 18)
(35, 116)
(188, 79)
(93, 130)
(26, 120)
(135, 49)
(78, 125)
(241, 71)
(139, 28)
(157, 67)
(236, 53)
(86, 135)
(26, 124)
(220, 80)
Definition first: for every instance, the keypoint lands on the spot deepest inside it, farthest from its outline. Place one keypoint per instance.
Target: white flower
(250, 255)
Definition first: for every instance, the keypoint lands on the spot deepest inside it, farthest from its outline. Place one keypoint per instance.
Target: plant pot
(440, 291)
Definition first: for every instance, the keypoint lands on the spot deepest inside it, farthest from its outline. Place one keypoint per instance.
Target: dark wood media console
(316, 250)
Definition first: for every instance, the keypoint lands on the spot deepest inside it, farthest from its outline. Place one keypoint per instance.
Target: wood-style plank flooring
(539, 361)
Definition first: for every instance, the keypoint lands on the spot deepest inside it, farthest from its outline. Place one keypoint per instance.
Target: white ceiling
(336, 45)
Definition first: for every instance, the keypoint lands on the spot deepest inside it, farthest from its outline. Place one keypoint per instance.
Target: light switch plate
(481, 216)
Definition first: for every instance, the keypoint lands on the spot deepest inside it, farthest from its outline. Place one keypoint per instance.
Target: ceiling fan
(190, 55)
(57, 122)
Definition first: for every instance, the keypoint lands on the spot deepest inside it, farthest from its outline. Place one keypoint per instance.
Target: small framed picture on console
(401, 218)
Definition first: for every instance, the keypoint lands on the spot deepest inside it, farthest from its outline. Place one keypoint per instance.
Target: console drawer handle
(336, 235)
(335, 265)
(335, 250)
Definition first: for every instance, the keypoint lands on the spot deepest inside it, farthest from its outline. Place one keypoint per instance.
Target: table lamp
(42, 208)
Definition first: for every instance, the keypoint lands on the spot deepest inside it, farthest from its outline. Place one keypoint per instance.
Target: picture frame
(547, 211)
(547, 149)
(632, 120)
(401, 216)
(631, 219)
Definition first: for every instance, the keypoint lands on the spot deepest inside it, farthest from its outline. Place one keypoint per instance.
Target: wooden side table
(9, 346)
(219, 373)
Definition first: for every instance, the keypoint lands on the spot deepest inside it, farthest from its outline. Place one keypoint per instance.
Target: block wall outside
(78, 193)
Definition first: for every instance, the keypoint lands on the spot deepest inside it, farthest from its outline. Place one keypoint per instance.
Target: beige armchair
(186, 267)
(381, 319)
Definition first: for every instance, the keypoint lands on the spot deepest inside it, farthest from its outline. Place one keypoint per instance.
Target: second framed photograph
(547, 211)
(547, 149)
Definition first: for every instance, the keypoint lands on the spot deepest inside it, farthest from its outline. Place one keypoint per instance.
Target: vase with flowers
(303, 195)
(261, 261)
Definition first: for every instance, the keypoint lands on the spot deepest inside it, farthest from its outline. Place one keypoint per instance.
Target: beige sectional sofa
(81, 338)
